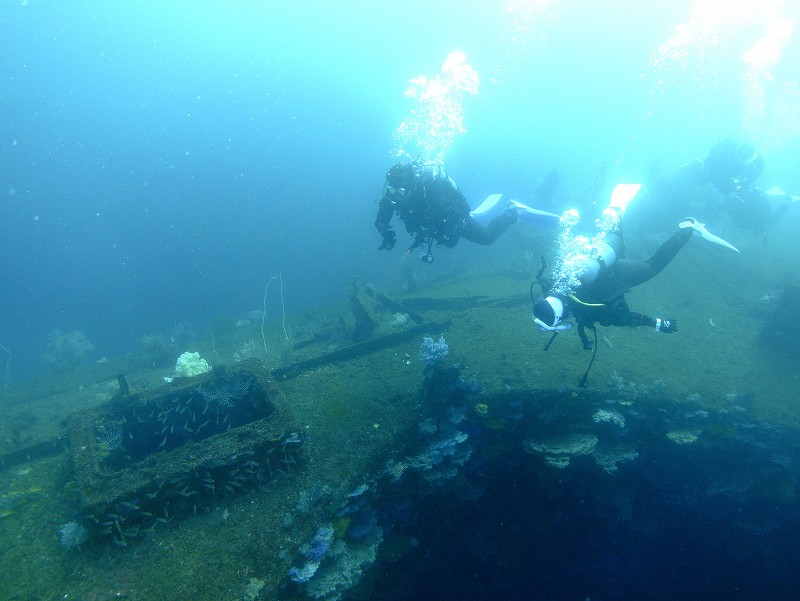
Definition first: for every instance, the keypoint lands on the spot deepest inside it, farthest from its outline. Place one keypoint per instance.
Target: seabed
(341, 467)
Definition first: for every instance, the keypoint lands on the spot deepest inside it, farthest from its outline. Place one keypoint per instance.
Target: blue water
(160, 161)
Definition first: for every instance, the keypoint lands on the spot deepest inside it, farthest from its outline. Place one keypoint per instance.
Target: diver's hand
(389, 240)
(587, 344)
(667, 326)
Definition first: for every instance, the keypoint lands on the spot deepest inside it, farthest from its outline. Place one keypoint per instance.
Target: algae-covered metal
(147, 458)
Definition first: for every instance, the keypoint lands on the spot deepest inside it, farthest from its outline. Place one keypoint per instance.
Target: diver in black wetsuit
(433, 209)
(602, 300)
(593, 284)
(732, 168)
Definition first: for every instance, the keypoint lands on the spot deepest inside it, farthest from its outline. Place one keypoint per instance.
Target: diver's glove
(389, 240)
(667, 326)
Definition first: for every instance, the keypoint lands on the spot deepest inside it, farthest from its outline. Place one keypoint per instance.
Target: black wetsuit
(434, 209)
(751, 209)
(733, 167)
(603, 300)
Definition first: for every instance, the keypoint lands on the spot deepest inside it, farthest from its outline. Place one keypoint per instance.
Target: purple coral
(305, 573)
(321, 542)
(315, 551)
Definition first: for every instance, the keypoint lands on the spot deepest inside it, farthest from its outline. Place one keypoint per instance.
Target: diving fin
(700, 228)
(778, 192)
(489, 209)
(493, 206)
(535, 216)
(622, 195)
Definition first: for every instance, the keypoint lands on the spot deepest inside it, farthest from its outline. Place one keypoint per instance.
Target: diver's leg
(667, 251)
(637, 272)
(614, 240)
(480, 234)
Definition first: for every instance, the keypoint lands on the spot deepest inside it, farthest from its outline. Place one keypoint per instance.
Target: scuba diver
(593, 276)
(433, 209)
(732, 168)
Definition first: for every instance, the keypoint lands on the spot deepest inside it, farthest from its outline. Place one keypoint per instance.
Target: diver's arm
(382, 223)
(667, 326)
(640, 319)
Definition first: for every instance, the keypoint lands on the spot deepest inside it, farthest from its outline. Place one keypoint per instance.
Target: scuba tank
(581, 260)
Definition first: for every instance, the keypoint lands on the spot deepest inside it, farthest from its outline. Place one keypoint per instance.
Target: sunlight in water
(760, 90)
(757, 32)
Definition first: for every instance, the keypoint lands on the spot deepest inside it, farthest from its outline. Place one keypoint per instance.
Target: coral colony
(314, 551)
(430, 352)
(73, 535)
(342, 549)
